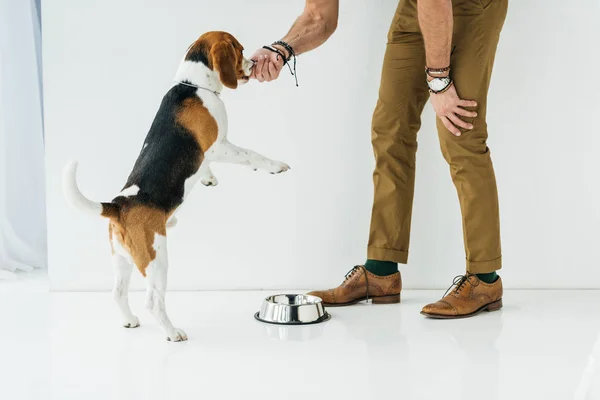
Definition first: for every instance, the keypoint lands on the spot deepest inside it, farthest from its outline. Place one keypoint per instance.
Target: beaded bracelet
(435, 72)
(286, 46)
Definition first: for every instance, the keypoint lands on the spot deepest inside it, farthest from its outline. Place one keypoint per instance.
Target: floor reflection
(422, 358)
(589, 387)
(294, 333)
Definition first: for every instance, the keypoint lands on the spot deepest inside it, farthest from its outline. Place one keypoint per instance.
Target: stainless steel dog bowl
(292, 309)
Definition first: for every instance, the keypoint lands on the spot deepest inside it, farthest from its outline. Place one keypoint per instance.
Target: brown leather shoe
(469, 297)
(361, 285)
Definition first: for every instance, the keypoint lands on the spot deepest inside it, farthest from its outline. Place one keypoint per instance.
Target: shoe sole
(391, 299)
(494, 306)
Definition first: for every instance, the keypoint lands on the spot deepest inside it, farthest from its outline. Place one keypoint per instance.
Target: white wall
(108, 63)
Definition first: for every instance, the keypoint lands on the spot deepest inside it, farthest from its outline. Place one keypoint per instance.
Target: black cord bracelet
(285, 60)
(274, 50)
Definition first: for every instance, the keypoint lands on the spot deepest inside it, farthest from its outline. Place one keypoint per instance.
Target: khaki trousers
(397, 118)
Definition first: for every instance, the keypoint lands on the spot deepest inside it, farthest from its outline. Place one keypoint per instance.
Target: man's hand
(267, 65)
(436, 22)
(449, 108)
(316, 24)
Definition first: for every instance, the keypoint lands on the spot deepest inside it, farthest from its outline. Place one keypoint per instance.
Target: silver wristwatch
(439, 85)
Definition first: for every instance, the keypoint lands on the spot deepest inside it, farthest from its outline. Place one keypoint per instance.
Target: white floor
(542, 345)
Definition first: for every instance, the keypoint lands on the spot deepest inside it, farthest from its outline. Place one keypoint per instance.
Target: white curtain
(22, 198)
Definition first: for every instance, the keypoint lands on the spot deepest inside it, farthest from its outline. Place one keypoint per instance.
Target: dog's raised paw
(209, 181)
(277, 167)
(177, 335)
(131, 323)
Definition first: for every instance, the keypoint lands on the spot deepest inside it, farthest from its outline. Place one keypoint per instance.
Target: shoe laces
(353, 271)
(458, 283)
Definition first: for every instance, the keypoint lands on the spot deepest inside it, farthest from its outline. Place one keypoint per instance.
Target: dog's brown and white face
(222, 53)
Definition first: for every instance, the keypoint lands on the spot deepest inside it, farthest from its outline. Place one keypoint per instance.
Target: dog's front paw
(277, 167)
(132, 322)
(177, 335)
(209, 181)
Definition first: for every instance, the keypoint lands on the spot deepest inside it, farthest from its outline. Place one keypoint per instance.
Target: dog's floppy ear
(224, 62)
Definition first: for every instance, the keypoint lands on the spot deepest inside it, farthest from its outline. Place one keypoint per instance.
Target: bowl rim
(325, 317)
(318, 299)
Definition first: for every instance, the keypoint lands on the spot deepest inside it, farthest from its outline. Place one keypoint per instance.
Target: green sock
(381, 268)
(488, 278)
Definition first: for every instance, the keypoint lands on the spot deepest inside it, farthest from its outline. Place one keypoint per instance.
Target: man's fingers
(467, 103)
(265, 69)
(273, 71)
(459, 122)
(465, 113)
(267, 66)
(258, 68)
(453, 130)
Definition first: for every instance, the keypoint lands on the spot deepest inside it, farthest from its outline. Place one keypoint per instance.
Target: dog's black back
(169, 156)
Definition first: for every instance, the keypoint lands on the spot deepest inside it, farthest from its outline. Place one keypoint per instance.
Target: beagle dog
(189, 132)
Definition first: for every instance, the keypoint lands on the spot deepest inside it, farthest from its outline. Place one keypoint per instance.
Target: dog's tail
(76, 199)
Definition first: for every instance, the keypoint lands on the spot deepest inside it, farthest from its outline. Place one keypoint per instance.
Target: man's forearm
(316, 24)
(436, 20)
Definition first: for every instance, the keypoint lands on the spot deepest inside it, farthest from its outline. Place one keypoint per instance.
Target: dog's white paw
(277, 167)
(132, 322)
(209, 181)
(177, 335)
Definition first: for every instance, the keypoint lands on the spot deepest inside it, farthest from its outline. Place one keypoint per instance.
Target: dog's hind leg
(206, 176)
(123, 270)
(156, 282)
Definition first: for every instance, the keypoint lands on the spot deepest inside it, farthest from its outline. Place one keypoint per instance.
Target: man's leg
(396, 120)
(476, 33)
(468, 155)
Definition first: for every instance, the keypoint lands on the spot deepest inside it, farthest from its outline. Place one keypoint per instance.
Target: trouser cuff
(398, 256)
(484, 267)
